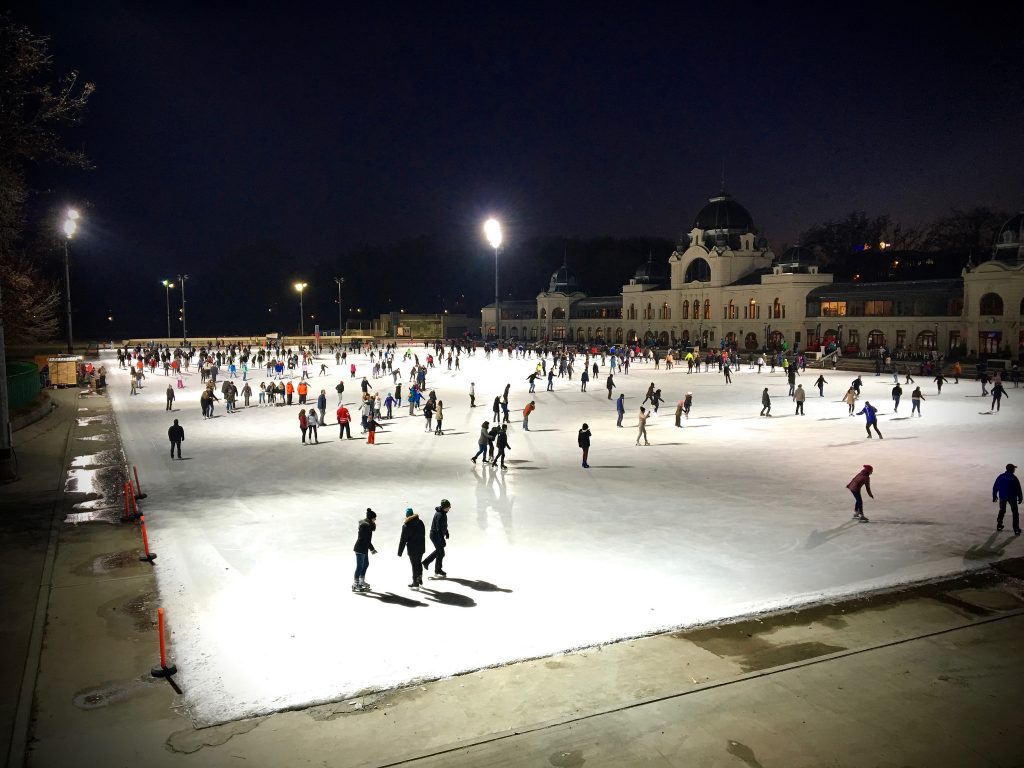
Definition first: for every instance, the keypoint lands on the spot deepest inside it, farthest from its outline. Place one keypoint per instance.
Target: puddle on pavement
(103, 481)
(88, 421)
(108, 563)
(140, 610)
(100, 459)
(100, 436)
(111, 693)
(104, 515)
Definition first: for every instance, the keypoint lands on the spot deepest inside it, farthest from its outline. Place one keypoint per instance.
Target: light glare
(492, 229)
(70, 227)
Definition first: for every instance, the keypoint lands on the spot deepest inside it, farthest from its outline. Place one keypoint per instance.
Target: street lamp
(302, 319)
(167, 286)
(184, 327)
(70, 225)
(492, 230)
(340, 281)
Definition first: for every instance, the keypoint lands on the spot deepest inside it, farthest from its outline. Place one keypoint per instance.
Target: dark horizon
(299, 139)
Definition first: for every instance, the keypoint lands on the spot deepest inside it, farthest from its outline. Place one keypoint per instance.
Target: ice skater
(642, 427)
(530, 408)
(766, 403)
(439, 538)
(798, 397)
(620, 409)
(583, 440)
(482, 442)
(176, 434)
(414, 542)
(915, 401)
(1006, 490)
(313, 421)
(850, 398)
(170, 397)
(502, 442)
(363, 548)
(897, 393)
(871, 416)
(862, 480)
(820, 384)
(998, 393)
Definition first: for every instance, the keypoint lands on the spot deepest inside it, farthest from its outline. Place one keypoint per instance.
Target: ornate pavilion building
(724, 284)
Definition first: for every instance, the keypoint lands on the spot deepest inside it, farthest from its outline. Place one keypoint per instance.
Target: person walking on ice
(583, 440)
(897, 393)
(1005, 490)
(998, 393)
(820, 384)
(850, 398)
(799, 397)
(871, 415)
(439, 538)
(530, 408)
(620, 409)
(861, 481)
(176, 434)
(915, 401)
(642, 427)
(766, 403)
(414, 542)
(363, 548)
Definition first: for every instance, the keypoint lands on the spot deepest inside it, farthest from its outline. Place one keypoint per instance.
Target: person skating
(679, 413)
(313, 421)
(609, 385)
(363, 548)
(321, 405)
(413, 541)
(687, 404)
(439, 418)
(915, 401)
(170, 397)
(642, 427)
(496, 408)
(620, 409)
(472, 394)
(246, 393)
(799, 397)
(176, 434)
(1006, 490)
(584, 379)
(856, 384)
(766, 403)
(532, 378)
(939, 381)
(303, 424)
(998, 393)
(862, 480)
(502, 443)
(897, 393)
(649, 395)
(850, 398)
(530, 408)
(439, 538)
(482, 442)
(583, 440)
(871, 417)
(820, 384)
(344, 422)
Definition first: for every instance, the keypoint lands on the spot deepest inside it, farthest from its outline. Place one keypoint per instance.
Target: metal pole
(339, 281)
(184, 327)
(6, 454)
(168, 289)
(67, 294)
(302, 320)
(497, 301)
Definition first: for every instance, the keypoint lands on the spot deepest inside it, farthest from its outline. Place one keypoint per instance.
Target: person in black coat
(439, 537)
(176, 434)
(363, 547)
(584, 442)
(414, 541)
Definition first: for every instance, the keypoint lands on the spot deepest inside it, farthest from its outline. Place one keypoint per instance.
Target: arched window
(926, 339)
(732, 313)
(618, 335)
(684, 336)
(876, 339)
(631, 314)
(707, 309)
(663, 337)
(515, 332)
(777, 309)
(686, 310)
(698, 271)
(649, 312)
(752, 313)
(666, 312)
(991, 304)
(730, 340)
(750, 342)
(533, 333)
(558, 313)
(632, 336)
(599, 335)
(579, 335)
(543, 313)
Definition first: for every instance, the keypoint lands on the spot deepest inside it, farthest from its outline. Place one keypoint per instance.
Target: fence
(22, 383)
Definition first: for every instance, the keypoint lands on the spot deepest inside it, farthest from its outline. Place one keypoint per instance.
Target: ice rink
(733, 513)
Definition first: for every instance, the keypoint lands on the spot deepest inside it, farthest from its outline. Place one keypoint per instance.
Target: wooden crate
(64, 371)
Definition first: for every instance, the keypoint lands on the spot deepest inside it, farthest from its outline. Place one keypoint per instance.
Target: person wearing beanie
(584, 443)
(413, 541)
(861, 480)
(439, 537)
(1006, 490)
(363, 548)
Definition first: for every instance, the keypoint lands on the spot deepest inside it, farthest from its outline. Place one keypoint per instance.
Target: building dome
(650, 272)
(563, 280)
(724, 216)
(796, 259)
(1009, 243)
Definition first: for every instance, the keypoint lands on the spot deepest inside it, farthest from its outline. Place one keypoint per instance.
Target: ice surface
(731, 514)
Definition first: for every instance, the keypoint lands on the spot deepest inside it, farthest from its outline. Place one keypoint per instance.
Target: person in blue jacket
(871, 414)
(1006, 490)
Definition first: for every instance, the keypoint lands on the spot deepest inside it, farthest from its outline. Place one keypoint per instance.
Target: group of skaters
(412, 542)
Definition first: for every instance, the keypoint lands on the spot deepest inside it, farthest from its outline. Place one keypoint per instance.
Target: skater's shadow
(900, 418)
(448, 598)
(613, 466)
(479, 586)
(392, 599)
(669, 444)
(843, 445)
(830, 418)
(908, 437)
(540, 430)
(185, 458)
(987, 549)
(817, 538)
(518, 461)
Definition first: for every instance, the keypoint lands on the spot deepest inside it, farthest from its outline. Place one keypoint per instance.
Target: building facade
(724, 285)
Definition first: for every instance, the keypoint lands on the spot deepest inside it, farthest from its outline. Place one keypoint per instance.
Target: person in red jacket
(861, 480)
(344, 418)
(303, 424)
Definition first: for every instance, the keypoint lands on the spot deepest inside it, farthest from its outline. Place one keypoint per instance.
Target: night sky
(250, 147)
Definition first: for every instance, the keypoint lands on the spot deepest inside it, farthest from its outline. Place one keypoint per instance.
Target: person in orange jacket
(289, 390)
(530, 408)
(303, 391)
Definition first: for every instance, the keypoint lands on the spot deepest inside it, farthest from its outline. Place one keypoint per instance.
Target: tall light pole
(167, 286)
(302, 320)
(70, 225)
(184, 327)
(492, 230)
(340, 281)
